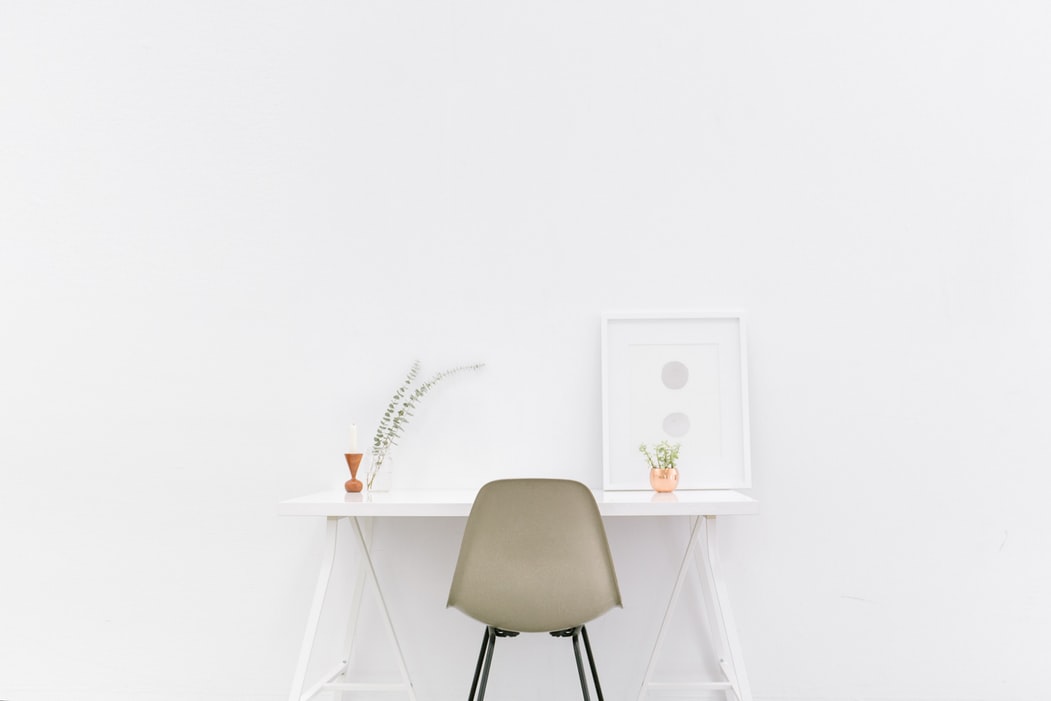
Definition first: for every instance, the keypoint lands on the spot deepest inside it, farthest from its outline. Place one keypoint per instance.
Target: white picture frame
(681, 377)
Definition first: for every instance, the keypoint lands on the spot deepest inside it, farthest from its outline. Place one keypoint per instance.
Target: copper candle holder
(353, 462)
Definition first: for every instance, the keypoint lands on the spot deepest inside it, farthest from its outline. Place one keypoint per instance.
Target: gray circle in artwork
(676, 425)
(674, 375)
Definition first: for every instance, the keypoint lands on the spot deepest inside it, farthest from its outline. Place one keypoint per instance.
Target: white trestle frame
(716, 607)
(328, 681)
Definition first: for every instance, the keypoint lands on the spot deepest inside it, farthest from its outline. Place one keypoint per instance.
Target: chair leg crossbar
(485, 659)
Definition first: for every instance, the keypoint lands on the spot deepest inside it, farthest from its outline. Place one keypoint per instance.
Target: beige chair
(534, 559)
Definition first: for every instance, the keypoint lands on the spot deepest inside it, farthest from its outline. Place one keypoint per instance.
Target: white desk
(702, 508)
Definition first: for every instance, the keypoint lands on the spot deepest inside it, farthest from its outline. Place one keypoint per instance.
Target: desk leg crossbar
(367, 571)
(719, 617)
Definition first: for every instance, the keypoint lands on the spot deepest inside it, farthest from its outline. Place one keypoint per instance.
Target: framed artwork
(681, 378)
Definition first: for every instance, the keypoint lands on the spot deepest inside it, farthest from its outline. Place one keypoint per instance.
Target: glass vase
(381, 470)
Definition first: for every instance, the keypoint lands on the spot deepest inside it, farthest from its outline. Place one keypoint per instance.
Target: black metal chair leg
(591, 661)
(488, 661)
(580, 664)
(478, 667)
(485, 660)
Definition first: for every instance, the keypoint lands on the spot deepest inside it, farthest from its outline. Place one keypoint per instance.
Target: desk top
(443, 502)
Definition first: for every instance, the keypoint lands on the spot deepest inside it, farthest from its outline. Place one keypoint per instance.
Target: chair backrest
(534, 557)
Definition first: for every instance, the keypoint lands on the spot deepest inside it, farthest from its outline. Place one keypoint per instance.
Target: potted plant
(662, 457)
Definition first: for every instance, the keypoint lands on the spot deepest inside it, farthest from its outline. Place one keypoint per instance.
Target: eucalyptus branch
(387, 424)
(402, 404)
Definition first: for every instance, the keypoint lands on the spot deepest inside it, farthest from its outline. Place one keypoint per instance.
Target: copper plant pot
(664, 480)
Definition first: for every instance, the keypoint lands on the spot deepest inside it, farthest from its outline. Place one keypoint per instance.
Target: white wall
(226, 229)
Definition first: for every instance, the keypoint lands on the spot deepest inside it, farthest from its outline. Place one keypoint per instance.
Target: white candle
(353, 438)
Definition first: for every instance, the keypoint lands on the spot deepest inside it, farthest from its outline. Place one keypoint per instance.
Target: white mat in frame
(680, 377)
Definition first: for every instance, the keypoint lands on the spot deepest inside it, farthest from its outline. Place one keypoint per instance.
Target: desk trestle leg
(718, 617)
(723, 624)
(366, 570)
(370, 572)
